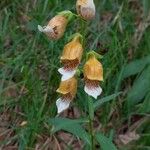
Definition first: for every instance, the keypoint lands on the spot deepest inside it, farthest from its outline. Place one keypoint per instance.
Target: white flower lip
(66, 74)
(45, 29)
(93, 91)
(90, 4)
(62, 105)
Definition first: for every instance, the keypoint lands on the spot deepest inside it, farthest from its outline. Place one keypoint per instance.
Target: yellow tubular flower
(57, 25)
(71, 57)
(55, 28)
(93, 74)
(86, 9)
(68, 90)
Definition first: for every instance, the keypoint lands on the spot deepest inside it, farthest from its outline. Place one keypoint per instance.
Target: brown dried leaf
(9, 89)
(24, 17)
(142, 26)
(7, 42)
(128, 137)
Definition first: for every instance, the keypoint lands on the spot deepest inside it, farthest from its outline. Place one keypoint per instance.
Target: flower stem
(91, 118)
(83, 30)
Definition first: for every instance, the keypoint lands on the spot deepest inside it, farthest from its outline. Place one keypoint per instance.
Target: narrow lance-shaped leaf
(98, 103)
(135, 67)
(105, 143)
(140, 88)
(71, 126)
(146, 6)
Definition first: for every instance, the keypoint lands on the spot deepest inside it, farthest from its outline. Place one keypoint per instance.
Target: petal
(90, 4)
(66, 74)
(45, 29)
(88, 10)
(62, 105)
(94, 91)
(40, 28)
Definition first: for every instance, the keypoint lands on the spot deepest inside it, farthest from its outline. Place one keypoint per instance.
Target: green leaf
(140, 88)
(145, 106)
(105, 143)
(71, 126)
(32, 25)
(100, 102)
(111, 134)
(135, 67)
(91, 108)
(146, 6)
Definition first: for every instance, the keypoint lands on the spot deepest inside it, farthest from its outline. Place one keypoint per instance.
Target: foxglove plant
(71, 58)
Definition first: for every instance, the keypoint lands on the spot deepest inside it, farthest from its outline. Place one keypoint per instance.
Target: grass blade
(100, 102)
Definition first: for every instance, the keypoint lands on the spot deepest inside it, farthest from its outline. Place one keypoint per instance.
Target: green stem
(91, 118)
(83, 31)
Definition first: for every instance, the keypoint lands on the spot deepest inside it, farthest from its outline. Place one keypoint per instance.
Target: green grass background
(29, 63)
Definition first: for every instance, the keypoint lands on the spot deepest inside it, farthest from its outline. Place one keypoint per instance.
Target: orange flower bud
(55, 28)
(71, 57)
(93, 73)
(86, 9)
(68, 90)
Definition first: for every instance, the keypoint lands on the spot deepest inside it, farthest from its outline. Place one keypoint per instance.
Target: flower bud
(86, 9)
(93, 74)
(57, 25)
(68, 90)
(71, 57)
